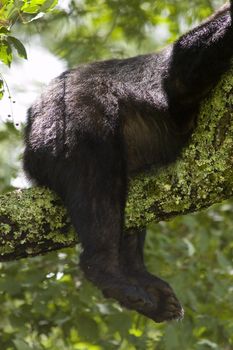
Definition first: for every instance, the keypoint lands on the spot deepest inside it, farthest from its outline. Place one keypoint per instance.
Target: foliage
(11, 12)
(89, 30)
(45, 302)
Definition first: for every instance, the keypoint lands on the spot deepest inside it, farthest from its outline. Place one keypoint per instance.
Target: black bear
(97, 124)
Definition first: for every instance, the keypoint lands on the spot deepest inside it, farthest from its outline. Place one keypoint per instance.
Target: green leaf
(37, 6)
(3, 30)
(5, 52)
(32, 6)
(18, 46)
(48, 5)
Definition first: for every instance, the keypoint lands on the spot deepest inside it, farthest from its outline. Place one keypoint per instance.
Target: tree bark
(33, 221)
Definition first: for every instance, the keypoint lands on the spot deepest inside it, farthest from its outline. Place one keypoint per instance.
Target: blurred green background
(44, 302)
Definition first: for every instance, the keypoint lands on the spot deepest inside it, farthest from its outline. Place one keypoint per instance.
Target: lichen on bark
(202, 175)
(31, 222)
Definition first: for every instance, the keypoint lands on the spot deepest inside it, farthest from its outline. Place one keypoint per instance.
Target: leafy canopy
(11, 12)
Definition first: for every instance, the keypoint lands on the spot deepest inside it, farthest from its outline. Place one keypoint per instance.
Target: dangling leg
(93, 187)
(132, 257)
(166, 305)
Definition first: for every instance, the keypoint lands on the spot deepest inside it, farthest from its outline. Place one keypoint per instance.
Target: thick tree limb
(33, 221)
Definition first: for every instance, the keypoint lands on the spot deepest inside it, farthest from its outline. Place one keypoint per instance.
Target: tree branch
(33, 221)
